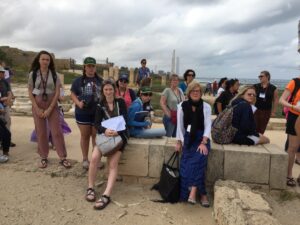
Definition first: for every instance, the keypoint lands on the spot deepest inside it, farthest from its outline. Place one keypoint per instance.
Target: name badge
(188, 129)
(36, 91)
(262, 95)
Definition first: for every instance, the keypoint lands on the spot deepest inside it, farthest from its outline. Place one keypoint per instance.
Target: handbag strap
(107, 114)
(173, 157)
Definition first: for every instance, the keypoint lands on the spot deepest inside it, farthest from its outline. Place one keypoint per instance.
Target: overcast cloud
(214, 37)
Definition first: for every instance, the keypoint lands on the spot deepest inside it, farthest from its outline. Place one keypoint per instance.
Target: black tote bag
(169, 183)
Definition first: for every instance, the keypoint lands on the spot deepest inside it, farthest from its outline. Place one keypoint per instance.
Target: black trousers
(5, 136)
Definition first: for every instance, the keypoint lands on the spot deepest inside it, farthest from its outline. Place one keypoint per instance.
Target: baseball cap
(89, 61)
(2, 69)
(145, 90)
(123, 77)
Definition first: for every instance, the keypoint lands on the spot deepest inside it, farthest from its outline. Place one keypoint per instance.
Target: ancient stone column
(163, 80)
(105, 74)
(131, 77)
(110, 72)
(116, 73)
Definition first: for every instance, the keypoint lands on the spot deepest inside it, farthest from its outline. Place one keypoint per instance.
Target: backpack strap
(296, 88)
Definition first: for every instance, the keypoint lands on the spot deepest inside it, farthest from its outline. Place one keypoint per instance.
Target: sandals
(204, 203)
(290, 181)
(102, 202)
(43, 164)
(65, 163)
(90, 195)
(191, 201)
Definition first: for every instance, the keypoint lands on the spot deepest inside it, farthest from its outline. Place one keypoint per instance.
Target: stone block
(258, 218)
(253, 201)
(169, 148)
(215, 164)
(130, 179)
(134, 160)
(278, 166)
(156, 156)
(147, 180)
(249, 164)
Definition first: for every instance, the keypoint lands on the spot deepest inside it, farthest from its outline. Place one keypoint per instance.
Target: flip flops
(65, 163)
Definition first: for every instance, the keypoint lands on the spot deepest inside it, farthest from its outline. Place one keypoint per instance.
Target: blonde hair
(194, 84)
(242, 92)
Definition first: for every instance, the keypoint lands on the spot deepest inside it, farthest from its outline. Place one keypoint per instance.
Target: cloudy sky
(214, 37)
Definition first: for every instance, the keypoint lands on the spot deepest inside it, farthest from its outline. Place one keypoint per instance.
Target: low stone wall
(263, 165)
(236, 204)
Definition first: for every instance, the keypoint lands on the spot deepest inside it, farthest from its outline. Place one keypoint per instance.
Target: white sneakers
(3, 158)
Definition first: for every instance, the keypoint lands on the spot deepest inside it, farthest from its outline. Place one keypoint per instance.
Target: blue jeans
(169, 127)
(147, 133)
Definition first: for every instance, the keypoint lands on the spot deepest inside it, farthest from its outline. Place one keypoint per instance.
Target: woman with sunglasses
(189, 75)
(243, 118)
(143, 73)
(193, 131)
(266, 101)
(123, 91)
(138, 119)
(108, 107)
(85, 93)
(169, 100)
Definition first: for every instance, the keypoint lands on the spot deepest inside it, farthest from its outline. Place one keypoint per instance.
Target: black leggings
(5, 136)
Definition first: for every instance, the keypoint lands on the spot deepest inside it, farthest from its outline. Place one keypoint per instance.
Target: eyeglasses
(190, 75)
(195, 91)
(251, 95)
(123, 80)
(147, 94)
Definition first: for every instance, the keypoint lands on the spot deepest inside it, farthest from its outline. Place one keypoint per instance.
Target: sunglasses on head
(147, 94)
(123, 80)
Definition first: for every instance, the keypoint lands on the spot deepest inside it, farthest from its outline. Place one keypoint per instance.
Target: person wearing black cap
(85, 93)
(143, 72)
(123, 91)
(139, 125)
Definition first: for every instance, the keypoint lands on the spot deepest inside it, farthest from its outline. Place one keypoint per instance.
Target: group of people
(186, 117)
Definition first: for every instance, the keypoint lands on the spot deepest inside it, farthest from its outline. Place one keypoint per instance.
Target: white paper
(253, 108)
(188, 129)
(115, 123)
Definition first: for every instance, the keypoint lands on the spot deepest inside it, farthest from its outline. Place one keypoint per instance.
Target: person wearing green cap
(85, 93)
(139, 126)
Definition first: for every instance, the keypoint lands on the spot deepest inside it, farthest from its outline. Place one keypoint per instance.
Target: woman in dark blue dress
(193, 131)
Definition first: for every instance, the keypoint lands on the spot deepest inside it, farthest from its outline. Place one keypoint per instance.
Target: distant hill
(15, 57)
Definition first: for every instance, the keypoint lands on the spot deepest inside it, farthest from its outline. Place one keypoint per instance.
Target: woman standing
(222, 86)
(189, 75)
(169, 100)
(243, 119)
(232, 86)
(293, 124)
(43, 90)
(85, 93)
(112, 107)
(193, 131)
(266, 101)
(123, 91)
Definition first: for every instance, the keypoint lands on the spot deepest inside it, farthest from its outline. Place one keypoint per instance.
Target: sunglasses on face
(260, 76)
(147, 94)
(190, 75)
(123, 80)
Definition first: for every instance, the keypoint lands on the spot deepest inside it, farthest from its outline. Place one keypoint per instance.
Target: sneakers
(85, 164)
(3, 158)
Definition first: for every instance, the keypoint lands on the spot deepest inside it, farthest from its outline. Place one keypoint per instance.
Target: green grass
(288, 196)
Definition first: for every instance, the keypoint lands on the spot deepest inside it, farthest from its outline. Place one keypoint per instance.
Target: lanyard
(44, 82)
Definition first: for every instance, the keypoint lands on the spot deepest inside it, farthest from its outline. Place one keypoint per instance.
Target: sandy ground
(56, 196)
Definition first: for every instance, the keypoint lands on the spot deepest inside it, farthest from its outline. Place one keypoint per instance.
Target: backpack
(34, 76)
(222, 131)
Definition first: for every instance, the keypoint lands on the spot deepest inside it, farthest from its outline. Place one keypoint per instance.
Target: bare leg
(85, 132)
(294, 144)
(193, 193)
(263, 139)
(96, 156)
(113, 162)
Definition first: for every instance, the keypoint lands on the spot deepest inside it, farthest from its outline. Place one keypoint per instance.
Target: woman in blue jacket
(142, 128)
(243, 119)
